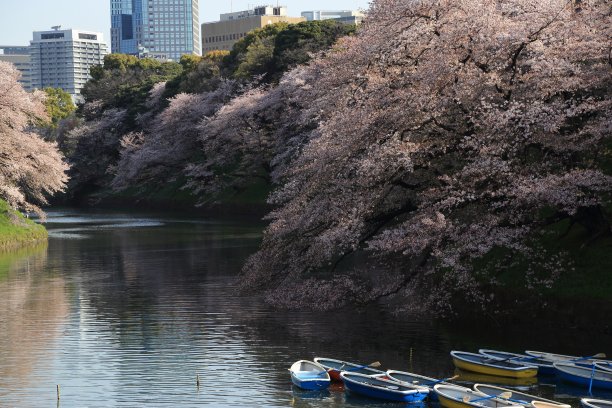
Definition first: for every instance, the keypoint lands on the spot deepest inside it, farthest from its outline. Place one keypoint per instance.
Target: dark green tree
(271, 51)
(58, 104)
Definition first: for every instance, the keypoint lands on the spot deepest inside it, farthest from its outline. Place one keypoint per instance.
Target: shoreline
(16, 231)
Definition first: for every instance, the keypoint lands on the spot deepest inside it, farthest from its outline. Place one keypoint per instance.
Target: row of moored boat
(395, 385)
(592, 371)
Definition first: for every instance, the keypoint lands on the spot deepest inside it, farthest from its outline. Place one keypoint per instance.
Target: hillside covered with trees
(443, 151)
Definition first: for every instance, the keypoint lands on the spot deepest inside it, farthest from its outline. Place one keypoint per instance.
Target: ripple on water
(129, 318)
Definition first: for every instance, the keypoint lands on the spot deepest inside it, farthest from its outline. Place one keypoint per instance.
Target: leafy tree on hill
(274, 49)
(124, 81)
(59, 105)
(199, 74)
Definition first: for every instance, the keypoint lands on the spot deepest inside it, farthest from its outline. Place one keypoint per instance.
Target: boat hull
(451, 403)
(586, 382)
(373, 387)
(310, 385)
(383, 394)
(496, 371)
(421, 380)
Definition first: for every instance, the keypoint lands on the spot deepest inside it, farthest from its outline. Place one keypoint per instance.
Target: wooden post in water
(58, 392)
(410, 356)
(198, 380)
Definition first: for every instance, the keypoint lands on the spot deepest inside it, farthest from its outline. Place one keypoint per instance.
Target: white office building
(62, 58)
(343, 16)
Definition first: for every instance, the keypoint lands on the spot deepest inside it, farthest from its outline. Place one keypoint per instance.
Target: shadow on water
(125, 311)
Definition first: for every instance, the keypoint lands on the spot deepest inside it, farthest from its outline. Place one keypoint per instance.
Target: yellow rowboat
(452, 396)
(492, 366)
(519, 397)
(495, 380)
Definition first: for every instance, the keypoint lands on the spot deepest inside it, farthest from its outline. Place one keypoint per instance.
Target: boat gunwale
(345, 363)
(430, 386)
(537, 360)
(323, 370)
(412, 390)
(502, 403)
(530, 399)
(589, 402)
(517, 368)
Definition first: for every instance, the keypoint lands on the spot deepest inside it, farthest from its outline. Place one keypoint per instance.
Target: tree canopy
(445, 132)
(59, 105)
(30, 168)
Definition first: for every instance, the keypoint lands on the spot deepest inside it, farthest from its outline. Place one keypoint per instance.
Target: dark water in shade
(126, 310)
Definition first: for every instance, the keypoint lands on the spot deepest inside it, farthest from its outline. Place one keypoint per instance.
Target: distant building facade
(166, 29)
(223, 34)
(19, 56)
(62, 58)
(343, 16)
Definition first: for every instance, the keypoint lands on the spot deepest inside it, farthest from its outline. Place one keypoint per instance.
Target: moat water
(125, 310)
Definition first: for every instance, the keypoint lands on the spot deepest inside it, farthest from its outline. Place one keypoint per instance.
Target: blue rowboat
(595, 403)
(309, 376)
(586, 376)
(405, 378)
(516, 396)
(381, 388)
(492, 366)
(545, 367)
(334, 367)
(563, 358)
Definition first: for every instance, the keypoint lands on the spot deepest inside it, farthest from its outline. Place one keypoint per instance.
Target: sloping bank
(16, 230)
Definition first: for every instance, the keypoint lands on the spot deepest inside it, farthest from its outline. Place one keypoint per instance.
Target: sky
(18, 18)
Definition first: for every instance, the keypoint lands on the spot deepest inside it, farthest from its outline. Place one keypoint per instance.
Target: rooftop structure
(343, 16)
(223, 34)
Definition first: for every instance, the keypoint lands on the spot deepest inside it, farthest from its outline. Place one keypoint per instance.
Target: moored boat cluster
(392, 385)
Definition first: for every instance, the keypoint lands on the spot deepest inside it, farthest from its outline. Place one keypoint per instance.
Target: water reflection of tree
(33, 308)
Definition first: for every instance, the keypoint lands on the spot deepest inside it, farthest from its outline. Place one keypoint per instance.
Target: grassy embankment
(16, 230)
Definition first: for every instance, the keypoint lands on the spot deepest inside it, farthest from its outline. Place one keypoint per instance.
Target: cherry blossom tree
(166, 144)
(252, 137)
(442, 132)
(94, 147)
(30, 168)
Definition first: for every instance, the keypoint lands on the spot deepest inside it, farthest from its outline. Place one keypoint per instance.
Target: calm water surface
(126, 310)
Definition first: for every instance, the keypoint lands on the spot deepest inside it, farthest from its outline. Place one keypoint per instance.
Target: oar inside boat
(454, 377)
(598, 355)
(504, 395)
(375, 364)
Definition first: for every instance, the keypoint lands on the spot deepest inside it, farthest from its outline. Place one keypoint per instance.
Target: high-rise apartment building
(19, 56)
(62, 58)
(163, 29)
(223, 34)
